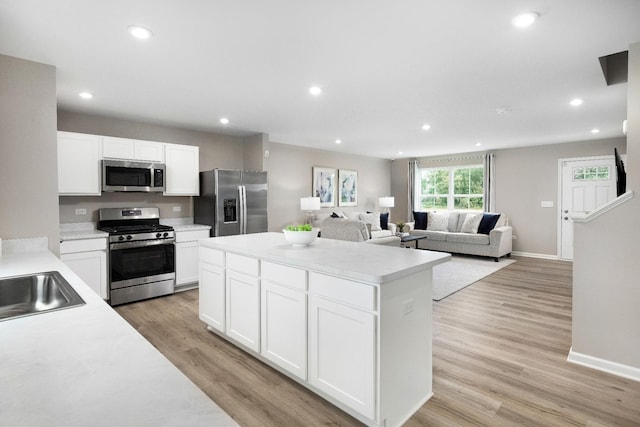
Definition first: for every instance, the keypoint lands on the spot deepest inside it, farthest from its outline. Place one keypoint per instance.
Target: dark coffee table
(411, 238)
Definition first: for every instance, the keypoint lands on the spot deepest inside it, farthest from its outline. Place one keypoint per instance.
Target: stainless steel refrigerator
(232, 202)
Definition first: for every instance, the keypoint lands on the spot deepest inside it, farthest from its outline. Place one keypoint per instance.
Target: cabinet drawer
(347, 291)
(285, 275)
(243, 264)
(212, 256)
(83, 245)
(191, 236)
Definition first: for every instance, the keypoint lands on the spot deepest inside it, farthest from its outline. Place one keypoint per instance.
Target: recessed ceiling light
(576, 102)
(478, 144)
(338, 141)
(85, 95)
(224, 121)
(139, 32)
(315, 90)
(595, 131)
(400, 153)
(524, 19)
(426, 127)
(502, 110)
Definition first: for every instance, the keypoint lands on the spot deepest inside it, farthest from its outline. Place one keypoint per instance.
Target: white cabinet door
(132, 149)
(186, 262)
(243, 309)
(118, 148)
(342, 353)
(78, 164)
(182, 168)
(212, 295)
(187, 255)
(149, 151)
(283, 327)
(91, 267)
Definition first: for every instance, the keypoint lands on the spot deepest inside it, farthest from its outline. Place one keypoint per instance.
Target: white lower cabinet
(212, 288)
(187, 256)
(88, 259)
(243, 309)
(342, 353)
(284, 317)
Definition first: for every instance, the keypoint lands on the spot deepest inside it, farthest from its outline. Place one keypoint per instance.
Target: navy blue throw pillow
(488, 222)
(420, 219)
(384, 221)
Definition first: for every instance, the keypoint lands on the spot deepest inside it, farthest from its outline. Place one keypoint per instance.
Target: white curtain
(413, 166)
(489, 183)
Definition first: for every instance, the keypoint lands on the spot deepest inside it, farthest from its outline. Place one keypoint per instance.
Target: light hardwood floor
(500, 349)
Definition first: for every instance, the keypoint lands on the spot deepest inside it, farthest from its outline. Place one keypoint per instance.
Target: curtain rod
(450, 159)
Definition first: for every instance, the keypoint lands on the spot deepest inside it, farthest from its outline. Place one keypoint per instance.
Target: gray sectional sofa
(446, 232)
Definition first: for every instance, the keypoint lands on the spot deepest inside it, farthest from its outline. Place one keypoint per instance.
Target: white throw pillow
(373, 219)
(471, 223)
(438, 221)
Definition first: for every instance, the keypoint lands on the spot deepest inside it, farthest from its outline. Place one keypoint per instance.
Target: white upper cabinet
(79, 164)
(132, 149)
(182, 167)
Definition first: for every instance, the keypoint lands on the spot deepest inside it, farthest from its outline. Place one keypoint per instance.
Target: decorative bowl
(300, 238)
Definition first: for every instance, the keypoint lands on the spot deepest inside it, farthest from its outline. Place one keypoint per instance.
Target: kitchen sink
(36, 294)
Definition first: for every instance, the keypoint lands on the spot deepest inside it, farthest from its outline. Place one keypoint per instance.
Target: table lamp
(310, 204)
(386, 202)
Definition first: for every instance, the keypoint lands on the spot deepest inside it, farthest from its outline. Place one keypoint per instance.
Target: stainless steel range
(141, 254)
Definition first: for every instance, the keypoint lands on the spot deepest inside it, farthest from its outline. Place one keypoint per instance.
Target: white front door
(586, 185)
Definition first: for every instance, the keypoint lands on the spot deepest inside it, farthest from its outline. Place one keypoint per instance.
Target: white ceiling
(386, 67)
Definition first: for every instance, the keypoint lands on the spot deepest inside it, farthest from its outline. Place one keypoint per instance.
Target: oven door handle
(139, 244)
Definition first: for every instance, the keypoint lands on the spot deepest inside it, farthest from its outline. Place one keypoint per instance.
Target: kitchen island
(349, 321)
(86, 366)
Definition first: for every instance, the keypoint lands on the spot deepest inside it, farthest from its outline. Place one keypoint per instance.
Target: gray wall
(290, 178)
(606, 293)
(28, 151)
(216, 151)
(527, 176)
(524, 177)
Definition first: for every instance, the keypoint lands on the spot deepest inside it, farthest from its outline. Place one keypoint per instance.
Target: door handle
(566, 211)
(566, 218)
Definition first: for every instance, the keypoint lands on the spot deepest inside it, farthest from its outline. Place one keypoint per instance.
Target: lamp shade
(386, 202)
(310, 203)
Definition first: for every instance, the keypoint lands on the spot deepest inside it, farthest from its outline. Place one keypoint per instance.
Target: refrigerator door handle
(242, 196)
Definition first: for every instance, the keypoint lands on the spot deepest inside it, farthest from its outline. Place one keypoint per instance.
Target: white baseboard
(608, 366)
(533, 255)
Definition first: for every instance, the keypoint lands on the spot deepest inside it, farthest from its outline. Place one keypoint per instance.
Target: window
(456, 187)
(591, 173)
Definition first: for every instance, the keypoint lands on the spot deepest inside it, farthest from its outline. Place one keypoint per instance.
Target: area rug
(462, 271)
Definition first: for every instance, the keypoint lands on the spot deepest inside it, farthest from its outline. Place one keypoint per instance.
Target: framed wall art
(347, 188)
(324, 185)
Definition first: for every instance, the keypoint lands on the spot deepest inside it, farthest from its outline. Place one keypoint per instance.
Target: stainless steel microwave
(125, 175)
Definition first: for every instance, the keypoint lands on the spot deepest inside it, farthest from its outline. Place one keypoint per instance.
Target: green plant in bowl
(303, 227)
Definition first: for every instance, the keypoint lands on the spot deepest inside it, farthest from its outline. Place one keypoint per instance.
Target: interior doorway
(585, 185)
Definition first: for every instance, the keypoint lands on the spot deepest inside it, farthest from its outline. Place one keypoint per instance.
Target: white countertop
(87, 366)
(358, 261)
(191, 227)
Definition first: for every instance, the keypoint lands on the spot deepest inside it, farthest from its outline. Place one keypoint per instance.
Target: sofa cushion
(372, 218)
(380, 233)
(420, 219)
(461, 217)
(453, 221)
(440, 236)
(438, 221)
(471, 223)
(468, 238)
(488, 222)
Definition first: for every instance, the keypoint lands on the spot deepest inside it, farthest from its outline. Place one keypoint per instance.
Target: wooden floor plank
(500, 349)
